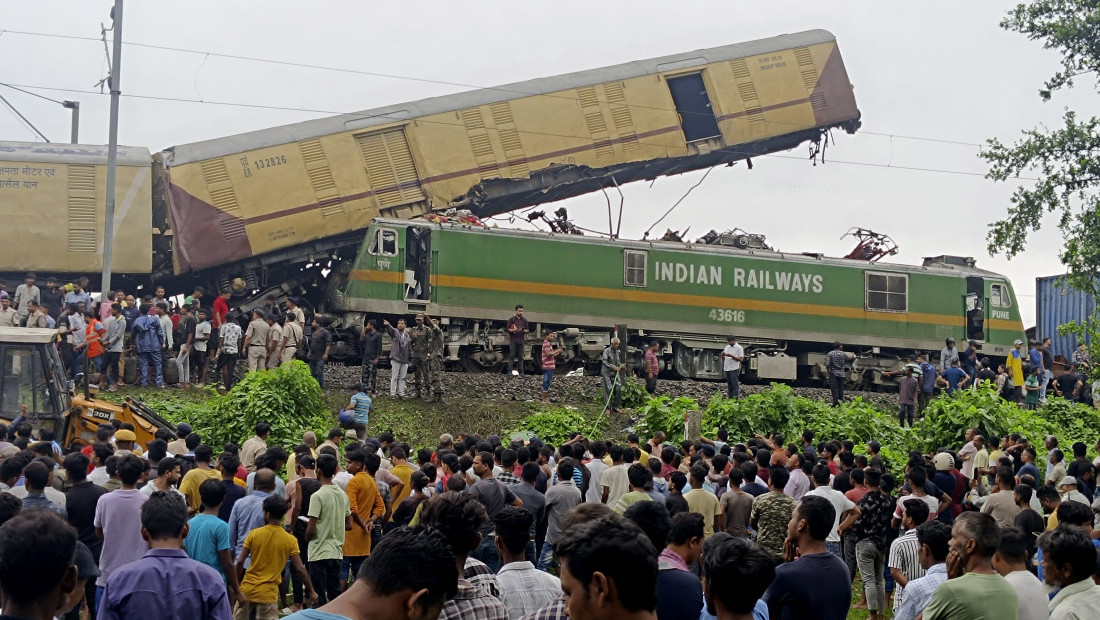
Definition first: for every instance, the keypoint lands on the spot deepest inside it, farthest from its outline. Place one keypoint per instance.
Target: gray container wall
(1057, 303)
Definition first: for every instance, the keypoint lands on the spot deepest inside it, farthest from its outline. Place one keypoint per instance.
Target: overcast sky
(927, 76)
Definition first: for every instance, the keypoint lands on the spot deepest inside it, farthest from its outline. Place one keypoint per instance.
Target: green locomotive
(786, 309)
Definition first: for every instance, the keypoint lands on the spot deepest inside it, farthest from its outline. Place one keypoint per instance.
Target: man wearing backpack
(147, 337)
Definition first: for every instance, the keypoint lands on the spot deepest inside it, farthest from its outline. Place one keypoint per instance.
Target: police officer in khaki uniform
(421, 336)
(255, 340)
(292, 338)
(274, 341)
(435, 360)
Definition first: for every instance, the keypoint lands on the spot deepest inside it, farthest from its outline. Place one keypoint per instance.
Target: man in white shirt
(523, 589)
(732, 356)
(846, 510)
(1010, 561)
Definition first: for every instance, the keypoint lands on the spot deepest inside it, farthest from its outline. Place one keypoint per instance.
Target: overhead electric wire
(303, 65)
(547, 134)
(25, 120)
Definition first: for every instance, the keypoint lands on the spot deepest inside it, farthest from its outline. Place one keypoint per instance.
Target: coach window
(384, 242)
(887, 292)
(634, 264)
(998, 296)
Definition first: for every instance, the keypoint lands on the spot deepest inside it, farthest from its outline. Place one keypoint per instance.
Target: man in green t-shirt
(329, 517)
(638, 475)
(980, 592)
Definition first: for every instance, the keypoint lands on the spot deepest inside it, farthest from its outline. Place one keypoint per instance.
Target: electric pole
(112, 148)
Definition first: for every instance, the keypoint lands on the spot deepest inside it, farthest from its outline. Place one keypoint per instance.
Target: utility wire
(33, 94)
(24, 118)
(303, 65)
(421, 120)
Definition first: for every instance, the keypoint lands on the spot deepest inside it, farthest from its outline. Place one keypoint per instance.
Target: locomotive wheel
(472, 365)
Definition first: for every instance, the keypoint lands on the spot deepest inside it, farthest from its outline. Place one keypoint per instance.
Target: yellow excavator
(34, 385)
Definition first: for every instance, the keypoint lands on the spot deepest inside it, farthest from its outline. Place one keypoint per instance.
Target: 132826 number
(725, 315)
(270, 162)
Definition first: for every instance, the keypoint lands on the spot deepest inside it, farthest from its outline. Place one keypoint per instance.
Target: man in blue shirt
(360, 406)
(248, 512)
(928, 376)
(955, 377)
(207, 538)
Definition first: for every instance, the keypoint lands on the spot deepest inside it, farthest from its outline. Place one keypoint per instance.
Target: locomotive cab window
(887, 292)
(998, 296)
(383, 243)
(634, 268)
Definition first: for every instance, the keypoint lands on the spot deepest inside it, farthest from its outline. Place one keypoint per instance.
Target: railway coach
(786, 309)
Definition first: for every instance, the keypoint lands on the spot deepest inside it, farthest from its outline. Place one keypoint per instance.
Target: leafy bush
(287, 397)
(666, 414)
(554, 426)
(632, 393)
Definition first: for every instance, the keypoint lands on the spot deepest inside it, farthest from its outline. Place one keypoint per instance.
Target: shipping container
(1058, 303)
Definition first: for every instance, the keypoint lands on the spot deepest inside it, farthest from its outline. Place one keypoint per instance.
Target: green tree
(1065, 161)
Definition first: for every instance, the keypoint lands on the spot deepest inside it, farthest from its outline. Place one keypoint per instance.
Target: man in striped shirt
(904, 560)
(652, 368)
(548, 363)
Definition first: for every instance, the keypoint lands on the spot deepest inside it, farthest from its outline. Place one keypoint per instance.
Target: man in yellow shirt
(270, 547)
(404, 472)
(200, 473)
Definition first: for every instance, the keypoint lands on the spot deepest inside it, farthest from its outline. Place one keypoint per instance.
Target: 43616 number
(725, 315)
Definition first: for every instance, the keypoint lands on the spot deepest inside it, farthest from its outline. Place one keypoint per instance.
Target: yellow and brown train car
(53, 199)
(238, 199)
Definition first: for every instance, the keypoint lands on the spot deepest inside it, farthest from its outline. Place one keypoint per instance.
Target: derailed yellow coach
(238, 202)
(53, 201)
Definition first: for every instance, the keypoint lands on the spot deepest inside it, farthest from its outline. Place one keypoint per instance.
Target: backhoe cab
(33, 376)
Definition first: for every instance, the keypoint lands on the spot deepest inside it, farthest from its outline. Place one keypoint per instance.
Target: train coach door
(689, 94)
(418, 251)
(975, 308)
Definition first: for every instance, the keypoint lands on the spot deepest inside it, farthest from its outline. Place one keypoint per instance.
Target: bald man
(248, 512)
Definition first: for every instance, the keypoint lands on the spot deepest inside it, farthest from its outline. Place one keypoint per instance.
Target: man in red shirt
(93, 333)
(548, 364)
(221, 308)
(652, 367)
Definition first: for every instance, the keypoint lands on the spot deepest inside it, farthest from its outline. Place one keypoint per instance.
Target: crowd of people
(360, 526)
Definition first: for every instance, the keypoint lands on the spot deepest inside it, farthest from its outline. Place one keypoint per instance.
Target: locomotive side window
(634, 268)
(998, 296)
(887, 292)
(384, 242)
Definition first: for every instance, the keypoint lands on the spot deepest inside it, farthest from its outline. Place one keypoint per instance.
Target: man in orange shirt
(366, 506)
(93, 335)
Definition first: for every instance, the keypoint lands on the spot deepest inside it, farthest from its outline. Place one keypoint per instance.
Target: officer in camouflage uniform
(421, 336)
(435, 361)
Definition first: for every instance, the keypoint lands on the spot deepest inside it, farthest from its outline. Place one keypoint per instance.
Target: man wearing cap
(255, 340)
(24, 294)
(421, 335)
(948, 354)
(124, 441)
(732, 356)
(294, 313)
(1067, 489)
(1015, 364)
(292, 337)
